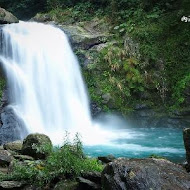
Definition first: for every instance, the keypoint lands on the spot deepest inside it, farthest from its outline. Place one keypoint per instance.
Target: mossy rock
(13, 146)
(34, 145)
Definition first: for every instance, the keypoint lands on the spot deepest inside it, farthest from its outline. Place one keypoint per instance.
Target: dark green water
(142, 142)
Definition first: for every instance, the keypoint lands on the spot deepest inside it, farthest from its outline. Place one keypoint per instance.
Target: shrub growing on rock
(68, 161)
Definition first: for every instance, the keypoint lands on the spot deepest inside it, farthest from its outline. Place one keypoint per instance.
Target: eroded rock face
(7, 17)
(143, 174)
(33, 142)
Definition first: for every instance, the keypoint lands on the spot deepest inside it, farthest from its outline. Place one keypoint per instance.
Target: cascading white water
(46, 87)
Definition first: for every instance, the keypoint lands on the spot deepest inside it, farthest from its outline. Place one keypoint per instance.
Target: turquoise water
(142, 142)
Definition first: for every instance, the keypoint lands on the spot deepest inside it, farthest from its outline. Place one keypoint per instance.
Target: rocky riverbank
(24, 163)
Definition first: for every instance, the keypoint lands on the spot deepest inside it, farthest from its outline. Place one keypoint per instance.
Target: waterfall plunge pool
(141, 143)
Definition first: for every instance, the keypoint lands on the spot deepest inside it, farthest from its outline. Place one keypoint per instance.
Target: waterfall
(45, 85)
(47, 94)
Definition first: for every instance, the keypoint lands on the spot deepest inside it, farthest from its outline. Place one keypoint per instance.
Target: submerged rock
(33, 145)
(186, 138)
(144, 174)
(7, 17)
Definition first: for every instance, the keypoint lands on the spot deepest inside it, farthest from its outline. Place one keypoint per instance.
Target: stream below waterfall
(143, 142)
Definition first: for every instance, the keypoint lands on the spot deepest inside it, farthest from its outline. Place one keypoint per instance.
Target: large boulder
(35, 145)
(5, 158)
(144, 174)
(7, 17)
(186, 138)
(83, 39)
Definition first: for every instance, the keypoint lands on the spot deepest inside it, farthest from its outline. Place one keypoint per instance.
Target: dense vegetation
(158, 73)
(68, 161)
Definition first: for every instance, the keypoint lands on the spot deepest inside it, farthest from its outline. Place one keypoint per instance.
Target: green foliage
(70, 14)
(67, 160)
(116, 72)
(121, 64)
(162, 36)
(179, 89)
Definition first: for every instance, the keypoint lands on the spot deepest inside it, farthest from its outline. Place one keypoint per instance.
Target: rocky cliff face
(144, 116)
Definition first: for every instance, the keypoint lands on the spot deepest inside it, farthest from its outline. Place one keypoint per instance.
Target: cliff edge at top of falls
(7, 17)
